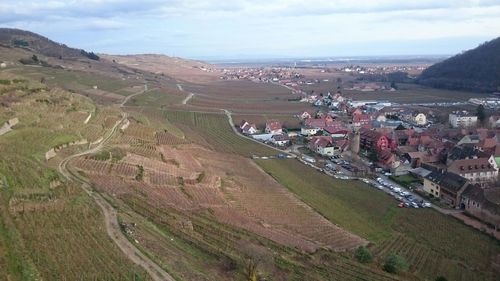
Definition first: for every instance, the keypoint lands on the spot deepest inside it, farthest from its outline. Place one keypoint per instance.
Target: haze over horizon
(259, 29)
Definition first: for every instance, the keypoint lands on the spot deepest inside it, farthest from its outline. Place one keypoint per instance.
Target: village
(417, 154)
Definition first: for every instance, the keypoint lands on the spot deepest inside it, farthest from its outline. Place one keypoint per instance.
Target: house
(335, 132)
(274, 127)
(483, 204)
(280, 140)
(419, 119)
(309, 131)
(476, 170)
(362, 120)
(319, 123)
(494, 121)
(371, 139)
(462, 119)
(445, 185)
(247, 128)
(323, 145)
(304, 115)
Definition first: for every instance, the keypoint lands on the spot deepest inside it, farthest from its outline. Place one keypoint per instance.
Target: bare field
(244, 97)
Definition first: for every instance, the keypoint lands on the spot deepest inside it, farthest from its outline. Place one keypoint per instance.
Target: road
(110, 214)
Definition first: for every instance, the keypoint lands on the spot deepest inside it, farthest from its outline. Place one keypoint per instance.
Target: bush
(395, 263)
(363, 255)
(441, 278)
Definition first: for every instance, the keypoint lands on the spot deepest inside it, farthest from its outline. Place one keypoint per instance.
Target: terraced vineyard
(49, 229)
(214, 129)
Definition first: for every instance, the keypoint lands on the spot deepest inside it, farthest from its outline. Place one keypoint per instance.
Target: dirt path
(110, 214)
(190, 95)
(133, 95)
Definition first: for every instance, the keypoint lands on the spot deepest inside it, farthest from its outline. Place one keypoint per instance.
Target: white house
(280, 140)
(308, 131)
(420, 119)
(247, 128)
(274, 127)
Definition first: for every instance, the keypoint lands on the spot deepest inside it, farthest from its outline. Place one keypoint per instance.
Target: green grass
(461, 250)
(406, 180)
(77, 80)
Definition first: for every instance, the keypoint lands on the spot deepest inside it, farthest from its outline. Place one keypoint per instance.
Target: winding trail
(110, 214)
(127, 98)
(190, 95)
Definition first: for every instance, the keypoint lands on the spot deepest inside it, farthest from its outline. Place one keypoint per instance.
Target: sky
(252, 29)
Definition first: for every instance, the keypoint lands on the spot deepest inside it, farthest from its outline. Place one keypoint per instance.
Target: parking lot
(343, 169)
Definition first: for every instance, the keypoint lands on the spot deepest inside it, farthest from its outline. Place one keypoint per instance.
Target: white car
(426, 205)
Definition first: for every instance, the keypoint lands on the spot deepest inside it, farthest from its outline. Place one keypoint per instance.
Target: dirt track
(110, 214)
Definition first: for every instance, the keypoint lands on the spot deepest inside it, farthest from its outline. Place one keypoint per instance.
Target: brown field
(244, 97)
(178, 68)
(191, 178)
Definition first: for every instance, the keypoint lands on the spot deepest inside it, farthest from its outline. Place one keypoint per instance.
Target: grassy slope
(460, 250)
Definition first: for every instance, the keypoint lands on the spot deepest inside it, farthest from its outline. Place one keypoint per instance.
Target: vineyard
(214, 130)
(50, 230)
(422, 236)
(77, 249)
(197, 246)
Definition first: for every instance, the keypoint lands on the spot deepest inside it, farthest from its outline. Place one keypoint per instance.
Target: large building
(483, 204)
(462, 120)
(445, 185)
(476, 170)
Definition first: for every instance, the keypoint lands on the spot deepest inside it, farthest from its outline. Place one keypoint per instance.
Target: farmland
(429, 247)
(244, 97)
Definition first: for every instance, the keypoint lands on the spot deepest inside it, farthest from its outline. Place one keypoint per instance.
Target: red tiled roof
(274, 125)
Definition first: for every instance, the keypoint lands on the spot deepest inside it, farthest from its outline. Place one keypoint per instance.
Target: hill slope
(179, 68)
(474, 70)
(33, 42)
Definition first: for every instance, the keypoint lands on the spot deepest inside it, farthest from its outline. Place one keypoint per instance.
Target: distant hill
(474, 70)
(178, 68)
(36, 43)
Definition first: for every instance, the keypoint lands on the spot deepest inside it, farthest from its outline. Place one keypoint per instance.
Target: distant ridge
(475, 70)
(10, 37)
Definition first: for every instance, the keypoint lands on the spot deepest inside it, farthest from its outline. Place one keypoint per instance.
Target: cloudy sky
(210, 29)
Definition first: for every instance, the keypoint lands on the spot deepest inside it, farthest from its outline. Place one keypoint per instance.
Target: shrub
(395, 263)
(441, 278)
(363, 255)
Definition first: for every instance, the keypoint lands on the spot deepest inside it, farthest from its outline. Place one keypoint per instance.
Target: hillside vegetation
(474, 70)
(10, 37)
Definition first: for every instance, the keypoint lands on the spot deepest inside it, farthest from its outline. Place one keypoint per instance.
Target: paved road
(110, 214)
